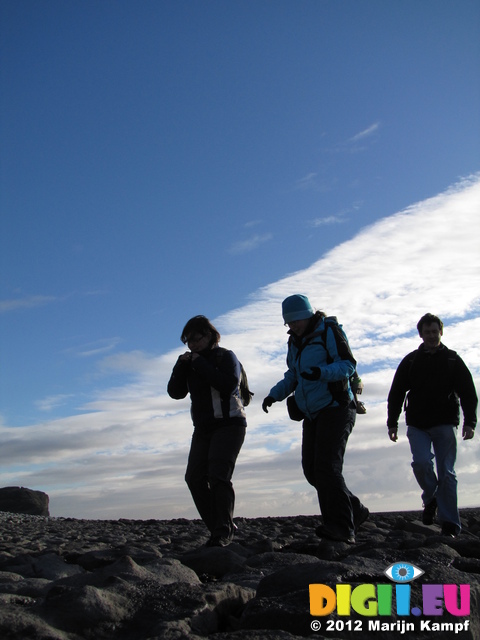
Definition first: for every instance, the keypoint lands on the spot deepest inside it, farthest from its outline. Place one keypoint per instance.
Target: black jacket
(435, 384)
(213, 383)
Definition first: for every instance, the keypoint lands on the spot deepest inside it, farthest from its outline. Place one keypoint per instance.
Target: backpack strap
(332, 323)
(244, 390)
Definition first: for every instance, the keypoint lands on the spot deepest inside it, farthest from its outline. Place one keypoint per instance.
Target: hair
(202, 325)
(428, 318)
(318, 315)
(312, 321)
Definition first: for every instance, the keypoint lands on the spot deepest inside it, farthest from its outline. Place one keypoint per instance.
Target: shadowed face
(298, 327)
(431, 336)
(198, 342)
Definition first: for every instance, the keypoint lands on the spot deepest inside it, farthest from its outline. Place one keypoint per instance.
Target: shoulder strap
(451, 361)
(342, 345)
(411, 361)
(245, 393)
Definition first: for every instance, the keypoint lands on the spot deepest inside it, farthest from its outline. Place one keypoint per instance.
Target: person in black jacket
(435, 380)
(212, 377)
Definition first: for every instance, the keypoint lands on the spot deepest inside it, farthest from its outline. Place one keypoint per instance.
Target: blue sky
(163, 159)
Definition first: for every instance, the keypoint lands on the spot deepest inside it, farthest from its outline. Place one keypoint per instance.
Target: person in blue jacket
(320, 364)
(211, 375)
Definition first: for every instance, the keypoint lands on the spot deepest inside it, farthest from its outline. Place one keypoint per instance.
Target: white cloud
(339, 218)
(250, 244)
(366, 133)
(125, 456)
(25, 303)
(307, 182)
(326, 220)
(97, 348)
(52, 402)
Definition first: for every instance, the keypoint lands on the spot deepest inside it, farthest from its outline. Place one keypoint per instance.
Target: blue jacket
(307, 355)
(213, 383)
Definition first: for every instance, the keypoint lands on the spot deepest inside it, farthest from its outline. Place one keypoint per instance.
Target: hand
(267, 402)
(185, 357)
(314, 375)
(468, 433)
(393, 434)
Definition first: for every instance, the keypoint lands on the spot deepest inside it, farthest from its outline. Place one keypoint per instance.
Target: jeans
(443, 484)
(323, 449)
(209, 476)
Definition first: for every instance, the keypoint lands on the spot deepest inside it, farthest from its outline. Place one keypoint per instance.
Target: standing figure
(434, 380)
(320, 365)
(212, 377)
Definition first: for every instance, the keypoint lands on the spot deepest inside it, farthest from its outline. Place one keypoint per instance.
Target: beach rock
(21, 500)
(69, 579)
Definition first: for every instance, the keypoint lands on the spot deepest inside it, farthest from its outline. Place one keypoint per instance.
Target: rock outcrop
(21, 500)
(68, 579)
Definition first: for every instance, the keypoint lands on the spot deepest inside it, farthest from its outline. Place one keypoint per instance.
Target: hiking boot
(360, 518)
(429, 512)
(450, 529)
(323, 532)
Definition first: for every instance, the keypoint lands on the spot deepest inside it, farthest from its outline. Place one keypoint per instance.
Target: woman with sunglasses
(211, 375)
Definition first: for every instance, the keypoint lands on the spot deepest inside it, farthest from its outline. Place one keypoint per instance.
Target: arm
(396, 397)
(284, 387)
(177, 387)
(465, 389)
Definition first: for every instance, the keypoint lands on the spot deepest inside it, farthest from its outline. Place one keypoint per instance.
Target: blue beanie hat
(296, 307)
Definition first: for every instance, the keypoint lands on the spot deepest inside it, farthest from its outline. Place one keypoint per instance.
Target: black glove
(267, 402)
(314, 375)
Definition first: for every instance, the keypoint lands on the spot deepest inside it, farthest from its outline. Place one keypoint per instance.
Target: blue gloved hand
(267, 402)
(314, 375)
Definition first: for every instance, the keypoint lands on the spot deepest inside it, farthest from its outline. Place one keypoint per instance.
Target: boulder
(22, 500)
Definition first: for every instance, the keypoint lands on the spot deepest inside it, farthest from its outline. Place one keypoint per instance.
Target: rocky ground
(69, 579)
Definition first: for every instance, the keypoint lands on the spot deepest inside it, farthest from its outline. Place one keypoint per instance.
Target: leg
(308, 451)
(332, 429)
(224, 448)
(196, 476)
(422, 463)
(445, 448)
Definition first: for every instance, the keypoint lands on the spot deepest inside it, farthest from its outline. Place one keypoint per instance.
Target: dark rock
(67, 579)
(214, 561)
(21, 500)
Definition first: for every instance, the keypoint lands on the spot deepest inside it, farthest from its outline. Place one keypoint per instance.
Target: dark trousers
(209, 476)
(323, 449)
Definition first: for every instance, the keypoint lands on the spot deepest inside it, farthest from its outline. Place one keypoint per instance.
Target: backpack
(244, 389)
(339, 389)
(245, 393)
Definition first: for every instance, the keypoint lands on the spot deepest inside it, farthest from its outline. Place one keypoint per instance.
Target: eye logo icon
(403, 572)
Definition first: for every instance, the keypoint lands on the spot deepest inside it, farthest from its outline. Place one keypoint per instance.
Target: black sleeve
(465, 389)
(177, 387)
(398, 390)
